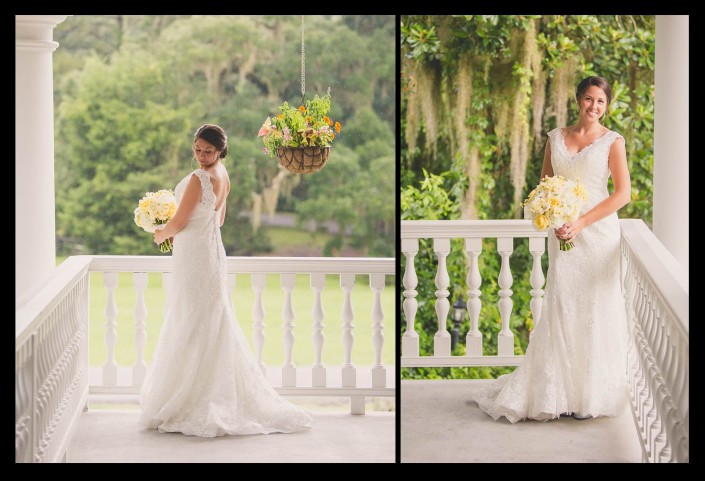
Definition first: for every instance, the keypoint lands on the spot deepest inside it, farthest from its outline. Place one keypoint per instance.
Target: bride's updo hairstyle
(214, 135)
(599, 82)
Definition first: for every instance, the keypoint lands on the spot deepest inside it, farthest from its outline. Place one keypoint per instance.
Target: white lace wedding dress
(576, 360)
(204, 380)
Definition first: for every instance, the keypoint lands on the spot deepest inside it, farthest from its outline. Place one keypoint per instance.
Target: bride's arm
(189, 201)
(619, 198)
(547, 168)
(622, 185)
(222, 214)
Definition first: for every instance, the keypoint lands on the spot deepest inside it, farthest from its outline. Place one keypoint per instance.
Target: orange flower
(332, 136)
(302, 108)
(309, 119)
(280, 116)
(337, 127)
(327, 120)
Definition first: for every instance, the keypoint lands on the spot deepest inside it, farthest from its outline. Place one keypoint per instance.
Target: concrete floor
(439, 423)
(112, 435)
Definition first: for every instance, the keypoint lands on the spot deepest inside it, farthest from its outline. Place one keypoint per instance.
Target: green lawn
(286, 238)
(243, 299)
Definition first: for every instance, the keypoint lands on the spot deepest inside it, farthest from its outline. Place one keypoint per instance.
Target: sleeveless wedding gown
(204, 380)
(576, 360)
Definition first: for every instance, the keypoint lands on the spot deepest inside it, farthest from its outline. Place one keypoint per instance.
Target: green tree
(131, 90)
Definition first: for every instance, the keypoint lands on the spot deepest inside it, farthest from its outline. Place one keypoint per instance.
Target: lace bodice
(206, 205)
(589, 165)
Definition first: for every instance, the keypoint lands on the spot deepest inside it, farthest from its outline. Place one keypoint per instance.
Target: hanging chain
(303, 62)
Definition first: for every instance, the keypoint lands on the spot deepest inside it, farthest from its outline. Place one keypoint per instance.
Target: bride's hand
(159, 235)
(568, 232)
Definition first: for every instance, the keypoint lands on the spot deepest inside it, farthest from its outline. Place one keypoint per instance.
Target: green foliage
(131, 90)
(433, 182)
(344, 191)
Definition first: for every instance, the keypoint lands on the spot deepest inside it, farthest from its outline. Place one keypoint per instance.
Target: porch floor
(113, 435)
(440, 423)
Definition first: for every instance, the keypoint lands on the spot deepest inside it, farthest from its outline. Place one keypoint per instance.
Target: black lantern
(458, 315)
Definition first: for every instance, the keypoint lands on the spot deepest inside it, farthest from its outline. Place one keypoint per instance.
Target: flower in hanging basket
(305, 126)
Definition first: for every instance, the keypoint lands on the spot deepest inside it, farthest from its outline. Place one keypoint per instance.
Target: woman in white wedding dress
(576, 359)
(204, 380)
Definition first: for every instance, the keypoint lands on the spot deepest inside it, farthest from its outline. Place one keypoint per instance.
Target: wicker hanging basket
(303, 160)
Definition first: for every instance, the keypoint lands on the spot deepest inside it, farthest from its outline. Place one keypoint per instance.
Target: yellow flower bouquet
(155, 209)
(554, 202)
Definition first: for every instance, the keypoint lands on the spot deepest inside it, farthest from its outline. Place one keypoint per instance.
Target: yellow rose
(579, 191)
(541, 222)
(554, 202)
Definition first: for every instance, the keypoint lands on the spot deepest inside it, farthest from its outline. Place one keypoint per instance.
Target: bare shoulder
(618, 148)
(225, 176)
(219, 177)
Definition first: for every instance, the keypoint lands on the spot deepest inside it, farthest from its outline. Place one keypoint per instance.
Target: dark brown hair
(600, 82)
(214, 135)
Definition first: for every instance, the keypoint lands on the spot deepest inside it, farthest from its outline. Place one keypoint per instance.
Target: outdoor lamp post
(458, 314)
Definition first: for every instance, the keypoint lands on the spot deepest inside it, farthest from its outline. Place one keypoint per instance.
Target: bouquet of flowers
(305, 126)
(155, 209)
(554, 202)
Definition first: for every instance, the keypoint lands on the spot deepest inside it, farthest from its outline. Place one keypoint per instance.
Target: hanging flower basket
(301, 136)
(303, 160)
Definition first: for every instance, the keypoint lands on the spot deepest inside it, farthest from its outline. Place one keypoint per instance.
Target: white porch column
(35, 245)
(671, 136)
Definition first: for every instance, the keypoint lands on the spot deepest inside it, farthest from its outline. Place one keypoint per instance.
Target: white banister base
(379, 377)
(460, 361)
(357, 405)
(318, 376)
(140, 372)
(110, 374)
(505, 344)
(349, 377)
(288, 376)
(441, 345)
(284, 391)
(410, 345)
(473, 341)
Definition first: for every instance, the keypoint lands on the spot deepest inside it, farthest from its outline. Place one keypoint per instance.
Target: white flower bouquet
(155, 209)
(554, 202)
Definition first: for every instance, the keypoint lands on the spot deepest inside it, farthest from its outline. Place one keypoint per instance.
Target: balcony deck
(439, 423)
(113, 435)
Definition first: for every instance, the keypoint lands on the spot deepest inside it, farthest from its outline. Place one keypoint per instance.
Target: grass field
(243, 299)
(282, 238)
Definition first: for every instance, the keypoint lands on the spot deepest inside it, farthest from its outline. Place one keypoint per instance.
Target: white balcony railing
(52, 373)
(655, 288)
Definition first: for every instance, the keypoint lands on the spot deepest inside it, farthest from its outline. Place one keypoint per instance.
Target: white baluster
(110, 280)
(318, 371)
(379, 373)
(24, 397)
(537, 246)
(347, 281)
(289, 369)
(473, 340)
(410, 339)
(139, 369)
(441, 339)
(505, 342)
(258, 282)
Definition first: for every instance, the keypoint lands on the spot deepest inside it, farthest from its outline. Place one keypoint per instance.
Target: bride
(576, 360)
(204, 380)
